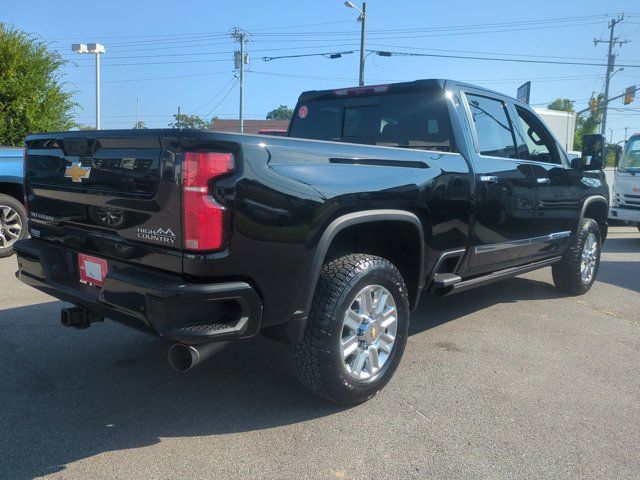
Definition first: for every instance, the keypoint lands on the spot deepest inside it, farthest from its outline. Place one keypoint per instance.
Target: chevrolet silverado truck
(324, 239)
(13, 217)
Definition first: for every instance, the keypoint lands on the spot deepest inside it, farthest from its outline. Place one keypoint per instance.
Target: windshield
(630, 159)
(416, 120)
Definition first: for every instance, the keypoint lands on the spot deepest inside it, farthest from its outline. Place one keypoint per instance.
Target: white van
(625, 201)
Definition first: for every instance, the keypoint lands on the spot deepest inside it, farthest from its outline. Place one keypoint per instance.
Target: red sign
(92, 270)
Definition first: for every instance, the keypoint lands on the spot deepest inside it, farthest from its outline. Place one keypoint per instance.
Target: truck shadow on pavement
(68, 395)
(622, 273)
(433, 310)
(618, 244)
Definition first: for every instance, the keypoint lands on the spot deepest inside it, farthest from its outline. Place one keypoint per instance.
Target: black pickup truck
(324, 239)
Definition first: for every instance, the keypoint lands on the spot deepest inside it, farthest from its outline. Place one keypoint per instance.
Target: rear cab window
(407, 120)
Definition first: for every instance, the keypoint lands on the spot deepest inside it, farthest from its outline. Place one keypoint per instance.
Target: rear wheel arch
(12, 189)
(351, 230)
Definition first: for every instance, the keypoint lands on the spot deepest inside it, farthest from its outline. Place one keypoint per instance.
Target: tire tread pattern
(312, 353)
(566, 273)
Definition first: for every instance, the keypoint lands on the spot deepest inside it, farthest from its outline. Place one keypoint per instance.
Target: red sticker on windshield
(303, 111)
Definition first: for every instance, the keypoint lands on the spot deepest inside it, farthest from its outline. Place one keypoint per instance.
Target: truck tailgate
(115, 194)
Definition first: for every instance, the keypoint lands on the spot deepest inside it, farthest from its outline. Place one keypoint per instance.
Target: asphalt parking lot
(511, 380)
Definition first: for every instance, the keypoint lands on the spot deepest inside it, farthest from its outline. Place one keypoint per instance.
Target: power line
(448, 34)
(326, 54)
(184, 35)
(171, 77)
(223, 98)
(223, 53)
(214, 97)
(449, 28)
(487, 53)
(493, 59)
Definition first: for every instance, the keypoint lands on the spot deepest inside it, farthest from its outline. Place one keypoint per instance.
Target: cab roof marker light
(360, 90)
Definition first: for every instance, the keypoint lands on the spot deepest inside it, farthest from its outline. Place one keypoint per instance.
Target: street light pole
(241, 83)
(362, 19)
(97, 91)
(362, 33)
(97, 49)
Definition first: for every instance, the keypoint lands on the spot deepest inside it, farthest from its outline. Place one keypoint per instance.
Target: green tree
(585, 125)
(563, 104)
(189, 121)
(588, 125)
(85, 127)
(281, 113)
(139, 125)
(32, 98)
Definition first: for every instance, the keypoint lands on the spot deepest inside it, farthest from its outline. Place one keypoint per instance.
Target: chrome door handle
(543, 181)
(490, 179)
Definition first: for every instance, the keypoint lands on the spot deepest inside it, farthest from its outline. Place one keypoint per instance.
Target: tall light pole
(97, 49)
(362, 19)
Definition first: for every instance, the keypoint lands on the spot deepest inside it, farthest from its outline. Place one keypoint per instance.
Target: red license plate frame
(93, 270)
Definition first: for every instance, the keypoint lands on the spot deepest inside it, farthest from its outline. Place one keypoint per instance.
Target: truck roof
(421, 85)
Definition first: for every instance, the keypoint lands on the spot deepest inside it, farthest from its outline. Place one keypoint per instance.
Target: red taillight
(204, 219)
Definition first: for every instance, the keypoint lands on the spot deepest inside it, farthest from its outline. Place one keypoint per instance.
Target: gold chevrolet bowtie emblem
(76, 172)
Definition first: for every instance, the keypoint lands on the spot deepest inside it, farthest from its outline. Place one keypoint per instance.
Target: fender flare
(349, 220)
(589, 201)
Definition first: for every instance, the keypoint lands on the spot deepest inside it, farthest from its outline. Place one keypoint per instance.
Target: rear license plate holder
(93, 270)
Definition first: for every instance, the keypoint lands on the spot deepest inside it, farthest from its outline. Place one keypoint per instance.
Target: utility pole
(625, 134)
(611, 58)
(362, 19)
(137, 112)
(362, 33)
(240, 58)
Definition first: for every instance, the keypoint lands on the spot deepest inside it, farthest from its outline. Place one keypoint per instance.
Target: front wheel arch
(597, 209)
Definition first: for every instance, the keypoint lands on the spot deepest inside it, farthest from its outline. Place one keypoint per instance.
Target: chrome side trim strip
(521, 243)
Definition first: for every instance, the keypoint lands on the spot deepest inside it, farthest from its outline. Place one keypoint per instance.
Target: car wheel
(13, 224)
(577, 271)
(356, 331)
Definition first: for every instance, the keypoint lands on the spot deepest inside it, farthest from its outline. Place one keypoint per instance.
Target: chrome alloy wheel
(369, 332)
(589, 258)
(10, 226)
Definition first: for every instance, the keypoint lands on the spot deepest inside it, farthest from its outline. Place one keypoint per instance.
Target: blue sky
(174, 54)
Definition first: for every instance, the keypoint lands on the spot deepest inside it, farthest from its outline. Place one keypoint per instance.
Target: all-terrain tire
(569, 274)
(13, 221)
(319, 356)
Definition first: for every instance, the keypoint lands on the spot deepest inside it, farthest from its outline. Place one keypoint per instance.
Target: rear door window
(415, 120)
(492, 125)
